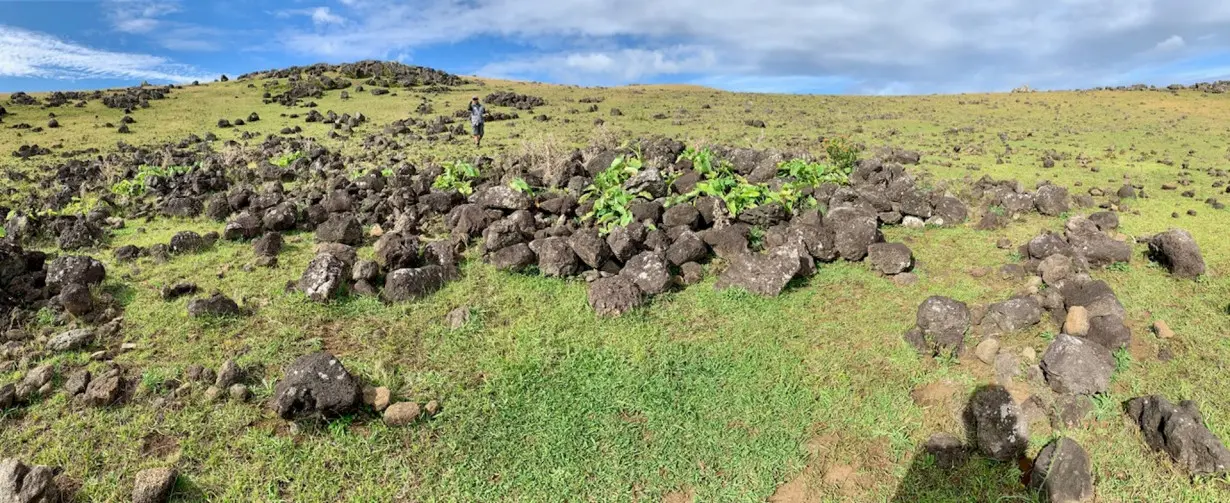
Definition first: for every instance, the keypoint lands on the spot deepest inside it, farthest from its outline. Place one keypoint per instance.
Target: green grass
(720, 394)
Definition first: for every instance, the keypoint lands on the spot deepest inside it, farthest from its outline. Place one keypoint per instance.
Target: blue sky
(808, 46)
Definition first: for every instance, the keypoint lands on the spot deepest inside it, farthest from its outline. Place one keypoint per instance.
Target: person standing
(476, 120)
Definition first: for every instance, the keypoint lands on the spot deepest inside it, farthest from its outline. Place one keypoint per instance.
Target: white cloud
(617, 66)
(25, 53)
(322, 16)
(1175, 42)
(929, 44)
(139, 16)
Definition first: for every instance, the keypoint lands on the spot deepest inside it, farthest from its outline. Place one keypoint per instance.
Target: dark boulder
(398, 250)
(1013, 314)
(589, 247)
(268, 245)
(854, 230)
(27, 484)
(614, 295)
(1176, 250)
(688, 247)
(315, 384)
(518, 257)
(762, 274)
(325, 278)
(1077, 366)
(81, 234)
(280, 218)
(941, 326)
(186, 242)
(340, 228)
(1180, 432)
(1051, 200)
(890, 258)
(410, 284)
(74, 269)
(242, 226)
(995, 424)
(1062, 472)
(650, 272)
(184, 207)
(215, 305)
(555, 257)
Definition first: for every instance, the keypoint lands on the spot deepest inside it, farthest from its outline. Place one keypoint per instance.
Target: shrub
(457, 176)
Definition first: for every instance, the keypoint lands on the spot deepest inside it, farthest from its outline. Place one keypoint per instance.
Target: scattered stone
(105, 389)
(27, 484)
(1062, 472)
(239, 392)
(216, 305)
(1162, 330)
(1181, 433)
(377, 397)
(1178, 252)
(995, 420)
(1077, 366)
(76, 299)
(1077, 321)
(615, 295)
(762, 274)
(986, 350)
(153, 485)
(316, 383)
(71, 340)
(325, 278)
(890, 258)
(941, 323)
(178, 290)
(411, 284)
(458, 318)
(947, 450)
(402, 413)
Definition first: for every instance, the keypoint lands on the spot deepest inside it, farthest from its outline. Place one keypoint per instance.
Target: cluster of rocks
(311, 87)
(21, 98)
(131, 98)
(514, 100)
(404, 75)
(1004, 200)
(27, 151)
(21, 483)
(318, 385)
(224, 123)
(227, 381)
(182, 243)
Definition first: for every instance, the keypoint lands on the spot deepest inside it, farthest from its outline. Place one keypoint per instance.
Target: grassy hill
(703, 394)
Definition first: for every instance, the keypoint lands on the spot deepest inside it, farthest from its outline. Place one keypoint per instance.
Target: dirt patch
(797, 490)
(684, 495)
(846, 480)
(933, 394)
(158, 445)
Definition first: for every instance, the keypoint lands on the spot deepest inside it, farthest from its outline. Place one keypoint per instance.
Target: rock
(153, 485)
(75, 269)
(325, 278)
(1181, 433)
(105, 389)
(239, 392)
(377, 397)
(1014, 314)
(8, 396)
(591, 249)
(1176, 250)
(986, 350)
(281, 217)
(242, 226)
(996, 424)
(216, 305)
(890, 258)
(502, 197)
(268, 245)
(1162, 330)
(681, 215)
(762, 274)
(1077, 322)
(27, 484)
(432, 408)
(1056, 268)
(555, 257)
(81, 234)
(172, 292)
(691, 273)
(649, 271)
(316, 383)
(615, 295)
(398, 250)
(411, 284)
(186, 242)
(1077, 366)
(905, 279)
(1105, 220)
(688, 247)
(228, 374)
(340, 228)
(947, 450)
(213, 394)
(1062, 472)
(365, 270)
(517, 257)
(1051, 200)
(76, 299)
(77, 382)
(942, 323)
(912, 222)
(853, 231)
(402, 413)
(625, 241)
(1070, 410)
(1109, 331)
(71, 340)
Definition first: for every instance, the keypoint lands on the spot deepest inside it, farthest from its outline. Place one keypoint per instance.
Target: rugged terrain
(781, 353)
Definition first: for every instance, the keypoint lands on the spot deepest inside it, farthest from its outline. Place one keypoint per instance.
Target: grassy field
(703, 395)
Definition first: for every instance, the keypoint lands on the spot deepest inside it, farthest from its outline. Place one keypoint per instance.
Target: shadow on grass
(945, 469)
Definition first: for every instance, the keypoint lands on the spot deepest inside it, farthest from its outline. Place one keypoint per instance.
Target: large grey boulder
(1077, 366)
(1178, 252)
(1062, 472)
(1180, 432)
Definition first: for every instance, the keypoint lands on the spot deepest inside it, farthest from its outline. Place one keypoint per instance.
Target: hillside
(688, 341)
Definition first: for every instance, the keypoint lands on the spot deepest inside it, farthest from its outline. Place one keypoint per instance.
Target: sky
(791, 46)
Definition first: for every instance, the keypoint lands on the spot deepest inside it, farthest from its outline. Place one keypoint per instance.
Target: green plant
(1123, 360)
(457, 176)
(1048, 336)
(718, 179)
(138, 184)
(841, 153)
(997, 210)
(1119, 267)
(285, 160)
(609, 197)
(814, 174)
(520, 185)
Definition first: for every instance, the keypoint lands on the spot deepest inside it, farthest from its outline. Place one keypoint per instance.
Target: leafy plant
(841, 153)
(997, 210)
(610, 199)
(814, 173)
(520, 185)
(1120, 267)
(718, 179)
(1123, 359)
(457, 176)
(285, 160)
(138, 184)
